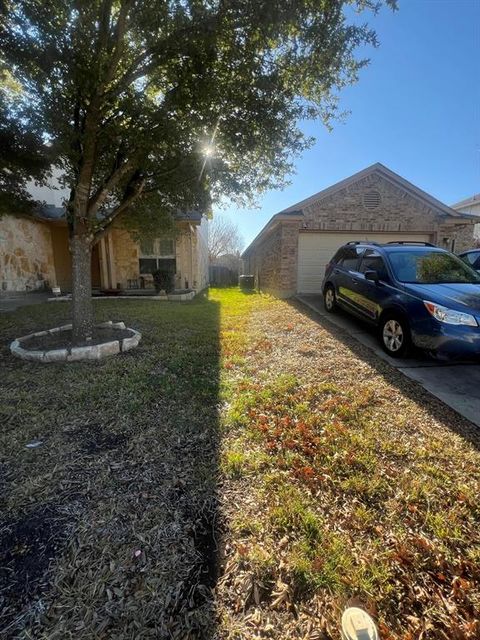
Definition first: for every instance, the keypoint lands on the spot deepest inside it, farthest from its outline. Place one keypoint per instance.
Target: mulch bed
(63, 339)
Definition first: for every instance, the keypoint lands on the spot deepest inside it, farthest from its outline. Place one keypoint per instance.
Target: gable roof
(296, 210)
(271, 224)
(388, 175)
(467, 202)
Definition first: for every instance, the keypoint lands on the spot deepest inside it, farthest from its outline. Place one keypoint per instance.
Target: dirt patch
(28, 545)
(63, 339)
(99, 441)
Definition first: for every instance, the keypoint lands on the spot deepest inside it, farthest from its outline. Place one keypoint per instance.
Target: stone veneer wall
(183, 256)
(26, 255)
(126, 255)
(201, 256)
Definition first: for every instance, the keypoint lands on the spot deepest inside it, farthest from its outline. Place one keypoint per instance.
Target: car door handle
(354, 281)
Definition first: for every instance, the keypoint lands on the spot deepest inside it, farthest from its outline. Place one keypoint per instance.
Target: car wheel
(330, 299)
(395, 335)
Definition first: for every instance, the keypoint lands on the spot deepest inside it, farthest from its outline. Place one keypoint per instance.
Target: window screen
(166, 247)
(146, 247)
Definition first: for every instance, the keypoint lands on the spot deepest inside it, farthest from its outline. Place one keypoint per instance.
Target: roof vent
(371, 200)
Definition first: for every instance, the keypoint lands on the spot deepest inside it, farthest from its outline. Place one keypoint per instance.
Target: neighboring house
(289, 255)
(34, 253)
(472, 207)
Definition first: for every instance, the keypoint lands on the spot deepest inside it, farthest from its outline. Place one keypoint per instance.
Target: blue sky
(416, 109)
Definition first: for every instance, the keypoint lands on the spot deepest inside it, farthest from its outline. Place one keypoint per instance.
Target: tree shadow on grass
(110, 527)
(437, 409)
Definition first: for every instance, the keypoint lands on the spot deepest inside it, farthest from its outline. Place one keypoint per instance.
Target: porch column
(111, 261)
(192, 260)
(104, 277)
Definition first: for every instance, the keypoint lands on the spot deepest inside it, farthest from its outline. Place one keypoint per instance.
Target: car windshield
(431, 267)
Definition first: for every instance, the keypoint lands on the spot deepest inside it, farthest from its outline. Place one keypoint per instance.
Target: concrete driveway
(456, 384)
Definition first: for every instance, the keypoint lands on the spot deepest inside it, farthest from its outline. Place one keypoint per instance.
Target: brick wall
(274, 260)
(345, 210)
(462, 234)
(265, 262)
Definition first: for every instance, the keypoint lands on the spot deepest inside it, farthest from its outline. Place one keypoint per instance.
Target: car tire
(330, 299)
(395, 335)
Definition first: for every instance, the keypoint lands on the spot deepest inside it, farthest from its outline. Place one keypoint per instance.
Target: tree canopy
(166, 105)
(23, 154)
(134, 95)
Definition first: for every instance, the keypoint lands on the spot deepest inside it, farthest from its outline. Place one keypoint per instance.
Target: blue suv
(415, 293)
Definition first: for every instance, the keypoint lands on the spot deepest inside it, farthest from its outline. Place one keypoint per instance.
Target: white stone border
(172, 297)
(76, 354)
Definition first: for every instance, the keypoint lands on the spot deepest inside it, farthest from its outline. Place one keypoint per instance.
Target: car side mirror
(371, 275)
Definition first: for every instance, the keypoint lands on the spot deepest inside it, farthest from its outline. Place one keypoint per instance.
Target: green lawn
(244, 473)
(120, 499)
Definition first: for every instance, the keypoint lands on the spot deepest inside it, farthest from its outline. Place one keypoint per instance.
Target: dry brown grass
(345, 483)
(240, 431)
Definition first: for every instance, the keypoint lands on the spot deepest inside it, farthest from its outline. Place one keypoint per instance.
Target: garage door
(315, 250)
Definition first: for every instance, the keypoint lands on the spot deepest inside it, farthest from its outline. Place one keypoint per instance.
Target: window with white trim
(156, 254)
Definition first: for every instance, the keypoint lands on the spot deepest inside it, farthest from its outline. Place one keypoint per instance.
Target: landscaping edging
(75, 354)
(172, 297)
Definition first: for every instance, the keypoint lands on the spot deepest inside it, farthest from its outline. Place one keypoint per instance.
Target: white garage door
(315, 250)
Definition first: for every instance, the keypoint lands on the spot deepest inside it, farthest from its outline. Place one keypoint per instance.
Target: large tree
(155, 106)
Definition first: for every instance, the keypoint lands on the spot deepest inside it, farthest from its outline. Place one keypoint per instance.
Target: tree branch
(133, 195)
(116, 174)
(120, 29)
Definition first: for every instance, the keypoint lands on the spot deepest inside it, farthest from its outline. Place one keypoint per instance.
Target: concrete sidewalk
(457, 384)
(14, 301)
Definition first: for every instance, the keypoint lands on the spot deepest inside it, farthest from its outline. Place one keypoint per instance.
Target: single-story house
(291, 252)
(472, 207)
(35, 255)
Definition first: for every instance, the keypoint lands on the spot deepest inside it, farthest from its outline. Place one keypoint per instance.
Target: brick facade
(345, 210)
(372, 203)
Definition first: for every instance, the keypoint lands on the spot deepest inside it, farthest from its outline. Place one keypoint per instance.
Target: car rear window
(351, 256)
(337, 257)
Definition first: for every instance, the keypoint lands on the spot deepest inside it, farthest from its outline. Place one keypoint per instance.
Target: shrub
(164, 279)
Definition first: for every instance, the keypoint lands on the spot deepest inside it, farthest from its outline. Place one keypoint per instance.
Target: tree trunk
(81, 288)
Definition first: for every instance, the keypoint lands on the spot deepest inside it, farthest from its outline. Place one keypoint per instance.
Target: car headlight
(449, 316)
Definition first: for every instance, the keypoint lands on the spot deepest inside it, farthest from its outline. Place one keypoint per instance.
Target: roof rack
(423, 244)
(363, 242)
